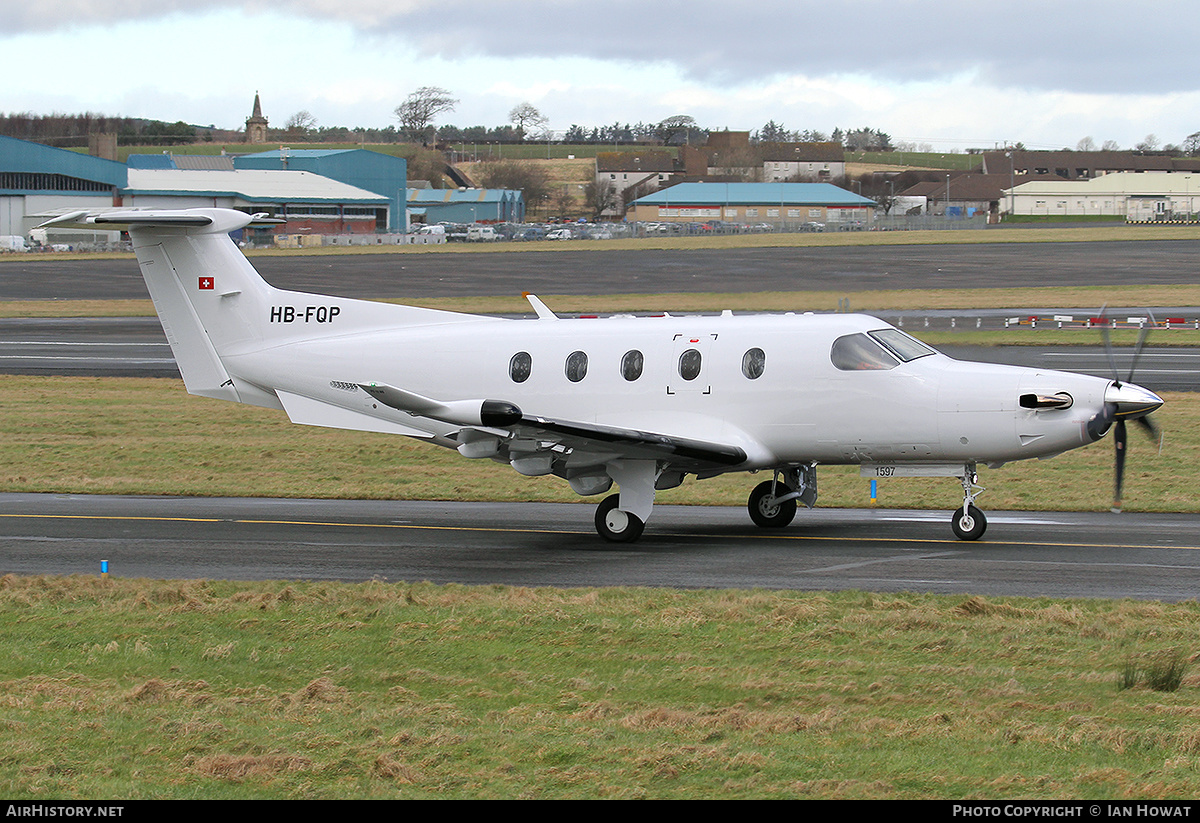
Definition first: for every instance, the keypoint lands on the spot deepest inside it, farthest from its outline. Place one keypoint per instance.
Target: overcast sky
(951, 74)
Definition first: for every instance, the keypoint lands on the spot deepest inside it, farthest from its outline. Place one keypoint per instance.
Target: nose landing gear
(968, 522)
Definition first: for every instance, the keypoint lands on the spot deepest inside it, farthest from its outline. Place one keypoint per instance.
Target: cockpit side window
(857, 352)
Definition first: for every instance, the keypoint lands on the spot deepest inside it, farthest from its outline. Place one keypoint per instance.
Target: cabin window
(520, 366)
(753, 363)
(631, 365)
(576, 368)
(689, 364)
(857, 352)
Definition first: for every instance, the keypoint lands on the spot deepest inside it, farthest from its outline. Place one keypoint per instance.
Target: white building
(1133, 196)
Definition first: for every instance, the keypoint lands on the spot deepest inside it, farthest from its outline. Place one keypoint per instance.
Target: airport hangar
(754, 203)
(36, 180)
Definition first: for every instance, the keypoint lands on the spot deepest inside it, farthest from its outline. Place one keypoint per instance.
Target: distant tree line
(72, 130)
(864, 139)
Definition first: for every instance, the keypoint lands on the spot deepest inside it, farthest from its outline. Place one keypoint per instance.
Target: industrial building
(776, 203)
(371, 171)
(432, 206)
(309, 202)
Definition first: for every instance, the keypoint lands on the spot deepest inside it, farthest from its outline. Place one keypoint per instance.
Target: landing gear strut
(620, 518)
(968, 522)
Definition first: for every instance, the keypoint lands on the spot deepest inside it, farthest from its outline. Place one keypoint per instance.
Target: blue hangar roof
(753, 194)
(31, 167)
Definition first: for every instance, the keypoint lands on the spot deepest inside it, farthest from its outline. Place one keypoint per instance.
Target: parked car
(530, 233)
(559, 234)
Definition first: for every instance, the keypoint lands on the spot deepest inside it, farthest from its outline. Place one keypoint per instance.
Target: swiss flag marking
(206, 283)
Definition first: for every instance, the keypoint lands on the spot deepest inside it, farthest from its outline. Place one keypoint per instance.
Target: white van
(481, 234)
(12, 242)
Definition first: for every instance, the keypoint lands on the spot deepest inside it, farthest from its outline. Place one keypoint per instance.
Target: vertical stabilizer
(205, 292)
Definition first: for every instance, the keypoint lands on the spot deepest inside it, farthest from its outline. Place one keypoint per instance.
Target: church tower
(256, 124)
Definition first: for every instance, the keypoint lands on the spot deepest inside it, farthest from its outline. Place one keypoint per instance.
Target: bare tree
(1110, 145)
(301, 122)
(1191, 144)
(1086, 144)
(526, 117)
(418, 110)
(1149, 143)
(601, 195)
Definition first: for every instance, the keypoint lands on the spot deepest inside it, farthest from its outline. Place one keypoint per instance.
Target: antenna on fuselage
(543, 311)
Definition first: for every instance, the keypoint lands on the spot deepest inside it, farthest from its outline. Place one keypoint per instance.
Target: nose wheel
(968, 522)
(766, 510)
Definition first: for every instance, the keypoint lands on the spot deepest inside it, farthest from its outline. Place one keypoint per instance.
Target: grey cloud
(1102, 46)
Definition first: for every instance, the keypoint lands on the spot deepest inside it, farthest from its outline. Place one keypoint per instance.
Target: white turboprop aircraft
(637, 401)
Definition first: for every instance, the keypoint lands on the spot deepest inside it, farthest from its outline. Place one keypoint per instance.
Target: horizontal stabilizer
(215, 220)
(308, 412)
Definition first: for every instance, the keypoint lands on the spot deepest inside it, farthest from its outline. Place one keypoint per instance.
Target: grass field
(134, 689)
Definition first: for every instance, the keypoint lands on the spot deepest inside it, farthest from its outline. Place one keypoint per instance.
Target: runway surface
(1143, 556)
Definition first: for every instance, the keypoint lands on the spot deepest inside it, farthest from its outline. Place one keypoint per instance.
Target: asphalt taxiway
(1142, 556)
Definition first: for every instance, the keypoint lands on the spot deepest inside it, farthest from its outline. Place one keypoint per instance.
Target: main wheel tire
(764, 511)
(969, 524)
(615, 524)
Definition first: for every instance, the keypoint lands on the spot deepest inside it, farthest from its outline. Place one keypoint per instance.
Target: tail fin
(213, 304)
(205, 291)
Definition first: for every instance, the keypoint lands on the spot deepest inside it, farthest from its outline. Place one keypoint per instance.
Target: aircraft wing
(681, 452)
(579, 443)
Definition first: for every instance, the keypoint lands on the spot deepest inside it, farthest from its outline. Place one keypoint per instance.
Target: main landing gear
(615, 524)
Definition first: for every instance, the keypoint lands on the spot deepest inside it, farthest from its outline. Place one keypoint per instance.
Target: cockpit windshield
(900, 344)
(857, 352)
(876, 350)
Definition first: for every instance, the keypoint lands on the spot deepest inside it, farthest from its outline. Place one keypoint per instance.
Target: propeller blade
(1143, 333)
(1148, 425)
(1108, 349)
(1119, 438)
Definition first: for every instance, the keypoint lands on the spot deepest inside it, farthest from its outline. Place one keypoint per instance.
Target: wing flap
(681, 452)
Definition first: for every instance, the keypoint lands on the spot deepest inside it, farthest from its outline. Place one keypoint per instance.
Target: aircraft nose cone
(1130, 401)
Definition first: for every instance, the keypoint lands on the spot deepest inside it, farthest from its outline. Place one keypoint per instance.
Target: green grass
(136, 689)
